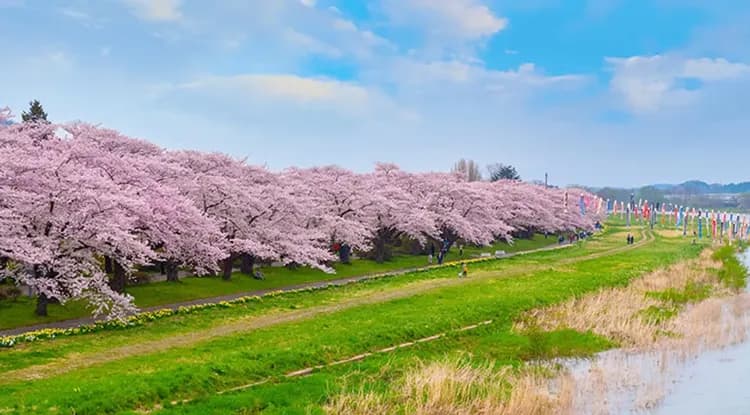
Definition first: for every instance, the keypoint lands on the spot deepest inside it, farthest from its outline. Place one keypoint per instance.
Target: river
(708, 375)
(716, 382)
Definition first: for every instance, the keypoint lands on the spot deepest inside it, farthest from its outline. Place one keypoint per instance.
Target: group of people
(573, 237)
(441, 256)
(631, 239)
(442, 253)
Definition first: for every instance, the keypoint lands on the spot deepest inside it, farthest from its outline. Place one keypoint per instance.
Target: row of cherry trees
(79, 201)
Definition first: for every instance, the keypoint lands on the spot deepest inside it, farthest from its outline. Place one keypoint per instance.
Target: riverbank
(659, 323)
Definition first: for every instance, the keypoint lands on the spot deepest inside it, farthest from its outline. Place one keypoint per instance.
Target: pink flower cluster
(72, 195)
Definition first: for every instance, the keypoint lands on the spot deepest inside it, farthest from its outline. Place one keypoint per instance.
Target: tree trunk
(171, 271)
(41, 305)
(108, 265)
(380, 250)
(119, 278)
(226, 267)
(162, 268)
(246, 264)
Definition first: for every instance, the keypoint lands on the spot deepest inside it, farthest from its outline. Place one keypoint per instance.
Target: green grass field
(20, 313)
(192, 357)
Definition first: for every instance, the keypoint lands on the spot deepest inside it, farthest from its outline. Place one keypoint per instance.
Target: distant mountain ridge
(693, 193)
(698, 187)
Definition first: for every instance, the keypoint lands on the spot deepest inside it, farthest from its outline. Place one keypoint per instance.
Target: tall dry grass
(459, 388)
(618, 313)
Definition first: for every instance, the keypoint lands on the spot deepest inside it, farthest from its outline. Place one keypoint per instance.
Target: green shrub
(732, 273)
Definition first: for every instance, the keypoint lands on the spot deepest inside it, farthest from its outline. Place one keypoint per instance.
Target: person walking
(464, 271)
(461, 250)
(431, 254)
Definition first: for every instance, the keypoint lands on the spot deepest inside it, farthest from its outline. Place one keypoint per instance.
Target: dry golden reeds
(459, 388)
(617, 313)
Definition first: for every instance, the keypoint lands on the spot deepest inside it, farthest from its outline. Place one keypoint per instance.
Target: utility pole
(545, 180)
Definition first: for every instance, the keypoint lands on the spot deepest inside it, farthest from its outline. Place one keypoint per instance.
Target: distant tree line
(470, 170)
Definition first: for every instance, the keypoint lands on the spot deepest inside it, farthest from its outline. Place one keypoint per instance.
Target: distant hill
(695, 193)
(697, 187)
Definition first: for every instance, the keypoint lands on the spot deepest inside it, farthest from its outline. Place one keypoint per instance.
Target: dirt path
(78, 361)
(64, 324)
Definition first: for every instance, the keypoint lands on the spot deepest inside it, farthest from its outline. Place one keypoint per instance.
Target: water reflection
(716, 382)
(706, 371)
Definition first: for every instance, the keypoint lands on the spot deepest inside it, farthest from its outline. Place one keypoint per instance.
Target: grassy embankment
(194, 356)
(20, 312)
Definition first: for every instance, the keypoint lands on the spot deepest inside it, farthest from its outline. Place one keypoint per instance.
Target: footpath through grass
(289, 304)
(112, 372)
(20, 313)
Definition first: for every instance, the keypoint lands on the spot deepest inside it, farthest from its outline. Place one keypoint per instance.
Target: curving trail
(76, 322)
(83, 360)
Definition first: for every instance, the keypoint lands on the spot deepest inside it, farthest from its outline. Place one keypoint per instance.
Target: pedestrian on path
(431, 254)
(461, 250)
(464, 271)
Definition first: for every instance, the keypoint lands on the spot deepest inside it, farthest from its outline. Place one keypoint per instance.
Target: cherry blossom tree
(258, 217)
(339, 203)
(168, 220)
(463, 210)
(59, 216)
(400, 211)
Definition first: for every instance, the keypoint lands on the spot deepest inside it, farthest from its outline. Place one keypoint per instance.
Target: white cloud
(285, 31)
(466, 19)
(714, 69)
(650, 83)
(365, 40)
(408, 72)
(311, 44)
(156, 10)
(308, 3)
(287, 87)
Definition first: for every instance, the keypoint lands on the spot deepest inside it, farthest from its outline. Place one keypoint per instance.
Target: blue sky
(599, 92)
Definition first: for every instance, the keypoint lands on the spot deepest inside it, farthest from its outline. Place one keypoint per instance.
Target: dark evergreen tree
(35, 113)
(500, 171)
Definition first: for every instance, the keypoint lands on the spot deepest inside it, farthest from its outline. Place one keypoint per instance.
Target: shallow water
(716, 382)
(710, 375)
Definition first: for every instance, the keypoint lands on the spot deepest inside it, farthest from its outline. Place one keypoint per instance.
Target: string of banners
(698, 222)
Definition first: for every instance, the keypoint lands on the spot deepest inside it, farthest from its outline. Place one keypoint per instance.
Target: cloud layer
(546, 85)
